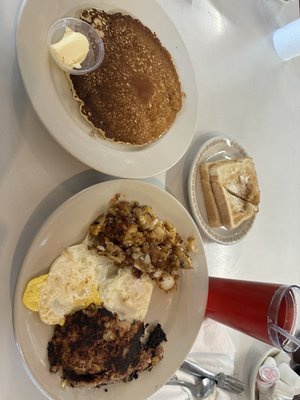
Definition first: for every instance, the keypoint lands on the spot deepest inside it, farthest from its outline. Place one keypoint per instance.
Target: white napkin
(213, 350)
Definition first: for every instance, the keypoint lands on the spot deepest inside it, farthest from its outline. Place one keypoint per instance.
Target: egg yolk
(32, 292)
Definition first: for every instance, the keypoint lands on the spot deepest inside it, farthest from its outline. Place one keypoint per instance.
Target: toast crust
(212, 210)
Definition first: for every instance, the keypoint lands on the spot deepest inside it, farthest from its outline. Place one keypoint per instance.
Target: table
(245, 91)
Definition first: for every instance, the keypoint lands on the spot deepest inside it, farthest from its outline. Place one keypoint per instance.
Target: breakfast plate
(50, 94)
(174, 311)
(217, 148)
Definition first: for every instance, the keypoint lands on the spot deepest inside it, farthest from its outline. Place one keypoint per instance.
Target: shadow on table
(11, 140)
(265, 14)
(177, 177)
(41, 145)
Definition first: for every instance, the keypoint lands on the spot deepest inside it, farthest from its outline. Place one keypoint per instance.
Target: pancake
(134, 95)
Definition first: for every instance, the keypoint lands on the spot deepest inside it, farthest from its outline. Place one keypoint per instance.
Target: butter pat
(71, 50)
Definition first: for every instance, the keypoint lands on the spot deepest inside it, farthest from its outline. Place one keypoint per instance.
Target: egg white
(79, 277)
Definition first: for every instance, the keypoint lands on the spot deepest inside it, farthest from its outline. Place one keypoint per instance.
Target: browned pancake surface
(135, 94)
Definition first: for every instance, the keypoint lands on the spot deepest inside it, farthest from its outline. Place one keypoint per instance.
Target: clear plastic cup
(284, 318)
(96, 47)
(269, 312)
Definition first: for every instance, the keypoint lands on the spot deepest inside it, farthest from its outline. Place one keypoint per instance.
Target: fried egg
(127, 295)
(80, 277)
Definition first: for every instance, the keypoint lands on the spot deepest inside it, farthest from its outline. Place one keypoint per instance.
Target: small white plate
(217, 148)
(50, 94)
(272, 352)
(180, 313)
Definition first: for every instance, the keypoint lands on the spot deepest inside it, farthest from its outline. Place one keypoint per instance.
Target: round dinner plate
(180, 313)
(50, 94)
(217, 148)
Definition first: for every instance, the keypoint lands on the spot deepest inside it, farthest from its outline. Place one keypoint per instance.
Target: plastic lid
(268, 374)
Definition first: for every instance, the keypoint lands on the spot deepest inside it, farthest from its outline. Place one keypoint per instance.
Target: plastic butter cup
(95, 53)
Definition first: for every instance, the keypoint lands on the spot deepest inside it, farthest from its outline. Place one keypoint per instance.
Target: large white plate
(179, 313)
(217, 148)
(51, 97)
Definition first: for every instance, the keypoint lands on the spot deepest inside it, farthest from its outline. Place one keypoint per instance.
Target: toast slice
(233, 210)
(212, 210)
(238, 177)
(231, 192)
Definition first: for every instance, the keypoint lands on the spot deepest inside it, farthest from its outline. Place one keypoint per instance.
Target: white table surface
(245, 91)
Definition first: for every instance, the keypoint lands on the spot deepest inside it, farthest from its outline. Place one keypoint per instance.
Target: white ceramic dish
(51, 97)
(179, 313)
(272, 352)
(214, 149)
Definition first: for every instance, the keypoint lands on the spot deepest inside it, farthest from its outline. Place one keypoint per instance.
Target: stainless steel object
(199, 390)
(226, 382)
